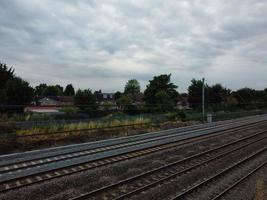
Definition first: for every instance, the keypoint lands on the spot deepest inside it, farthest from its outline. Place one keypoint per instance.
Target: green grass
(85, 125)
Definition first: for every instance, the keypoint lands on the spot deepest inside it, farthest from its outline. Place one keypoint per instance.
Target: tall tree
(117, 95)
(84, 97)
(60, 88)
(18, 92)
(39, 90)
(160, 90)
(13, 90)
(52, 90)
(245, 95)
(132, 87)
(195, 93)
(265, 96)
(217, 94)
(6, 74)
(86, 101)
(69, 90)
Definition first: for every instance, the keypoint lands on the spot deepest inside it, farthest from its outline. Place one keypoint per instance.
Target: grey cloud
(88, 42)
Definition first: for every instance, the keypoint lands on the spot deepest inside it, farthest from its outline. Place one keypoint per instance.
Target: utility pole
(203, 100)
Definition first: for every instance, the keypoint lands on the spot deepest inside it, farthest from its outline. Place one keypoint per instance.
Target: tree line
(160, 94)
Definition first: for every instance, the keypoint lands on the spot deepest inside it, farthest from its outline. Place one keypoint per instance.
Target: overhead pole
(203, 100)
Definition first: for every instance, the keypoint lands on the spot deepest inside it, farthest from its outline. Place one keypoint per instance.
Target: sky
(100, 44)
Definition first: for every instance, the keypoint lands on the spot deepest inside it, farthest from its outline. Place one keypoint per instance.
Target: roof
(65, 99)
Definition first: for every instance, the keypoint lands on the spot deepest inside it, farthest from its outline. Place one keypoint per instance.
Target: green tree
(245, 95)
(160, 90)
(13, 90)
(86, 101)
(195, 93)
(217, 96)
(18, 92)
(132, 87)
(39, 90)
(3, 96)
(61, 89)
(164, 101)
(127, 105)
(117, 95)
(52, 90)
(232, 103)
(265, 96)
(5, 75)
(69, 90)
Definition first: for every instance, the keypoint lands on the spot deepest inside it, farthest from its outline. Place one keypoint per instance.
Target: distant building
(56, 101)
(105, 97)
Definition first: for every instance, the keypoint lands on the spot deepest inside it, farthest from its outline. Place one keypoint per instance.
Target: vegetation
(14, 90)
(102, 123)
(52, 90)
(69, 90)
(86, 101)
(219, 98)
(195, 93)
(160, 96)
(132, 87)
(161, 93)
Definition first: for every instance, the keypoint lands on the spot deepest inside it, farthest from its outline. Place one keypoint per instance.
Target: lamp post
(203, 100)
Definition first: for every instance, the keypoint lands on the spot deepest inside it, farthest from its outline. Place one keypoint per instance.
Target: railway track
(52, 152)
(31, 162)
(16, 173)
(135, 185)
(189, 193)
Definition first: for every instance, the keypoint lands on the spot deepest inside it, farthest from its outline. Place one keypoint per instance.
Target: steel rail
(62, 156)
(193, 188)
(72, 148)
(143, 136)
(239, 181)
(157, 170)
(31, 179)
(34, 158)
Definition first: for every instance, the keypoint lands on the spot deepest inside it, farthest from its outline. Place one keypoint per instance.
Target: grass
(85, 125)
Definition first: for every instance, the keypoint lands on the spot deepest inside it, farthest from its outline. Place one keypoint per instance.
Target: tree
(18, 92)
(164, 101)
(13, 90)
(86, 101)
(245, 96)
(265, 96)
(195, 93)
(84, 97)
(39, 90)
(52, 90)
(132, 87)
(217, 95)
(117, 95)
(160, 91)
(232, 103)
(3, 96)
(60, 88)
(5, 75)
(69, 90)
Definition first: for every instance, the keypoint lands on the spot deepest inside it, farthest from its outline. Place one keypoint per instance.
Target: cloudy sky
(100, 44)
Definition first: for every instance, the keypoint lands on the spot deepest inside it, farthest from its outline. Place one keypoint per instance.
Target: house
(48, 101)
(105, 97)
(56, 101)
